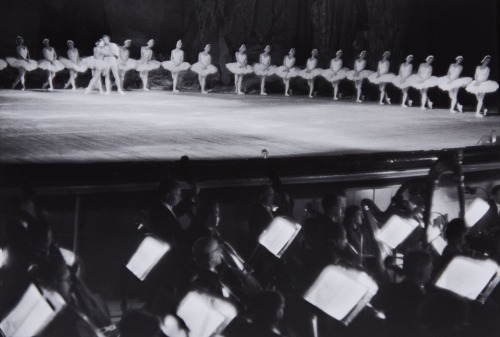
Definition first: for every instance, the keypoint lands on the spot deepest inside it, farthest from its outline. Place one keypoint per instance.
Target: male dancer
(111, 52)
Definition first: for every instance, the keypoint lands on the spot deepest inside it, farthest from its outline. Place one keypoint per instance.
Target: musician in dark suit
(261, 214)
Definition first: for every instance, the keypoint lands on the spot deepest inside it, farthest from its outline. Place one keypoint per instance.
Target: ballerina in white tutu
(125, 63)
(481, 85)
(176, 64)
(204, 67)
(382, 77)
(146, 63)
(240, 68)
(288, 70)
(97, 65)
(424, 80)
(49, 63)
(402, 80)
(335, 73)
(358, 74)
(310, 72)
(452, 82)
(73, 64)
(22, 62)
(264, 68)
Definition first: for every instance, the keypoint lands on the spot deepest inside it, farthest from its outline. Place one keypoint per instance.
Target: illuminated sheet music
(475, 211)
(279, 235)
(149, 253)
(467, 277)
(396, 230)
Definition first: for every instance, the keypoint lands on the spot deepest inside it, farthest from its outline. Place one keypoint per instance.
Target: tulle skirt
(19, 63)
(170, 65)
(261, 70)
(127, 65)
(201, 70)
(351, 75)
(405, 83)
(68, 64)
(331, 76)
(95, 64)
(428, 83)
(147, 66)
(236, 68)
(54, 66)
(483, 88)
(3, 64)
(384, 78)
(311, 74)
(285, 73)
(445, 84)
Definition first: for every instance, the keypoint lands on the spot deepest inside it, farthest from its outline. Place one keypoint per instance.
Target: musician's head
(266, 196)
(353, 216)
(170, 192)
(209, 213)
(266, 309)
(495, 194)
(207, 253)
(417, 266)
(334, 205)
(455, 231)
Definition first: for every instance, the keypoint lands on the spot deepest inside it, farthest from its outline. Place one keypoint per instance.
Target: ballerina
(402, 80)
(424, 80)
(335, 73)
(73, 64)
(125, 63)
(382, 77)
(311, 71)
(358, 74)
(49, 63)
(288, 70)
(146, 63)
(97, 64)
(204, 67)
(452, 83)
(481, 85)
(264, 68)
(176, 64)
(3, 64)
(239, 68)
(22, 62)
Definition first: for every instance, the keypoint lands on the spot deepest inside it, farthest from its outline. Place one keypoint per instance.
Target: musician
(353, 222)
(206, 221)
(400, 301)
(261, 214)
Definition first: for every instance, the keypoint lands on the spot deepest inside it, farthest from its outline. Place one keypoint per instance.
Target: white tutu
(428, 83)
(201, 70)
(261, 70)
(3, 64)
(127, 65)
(92, 63)
(68, 64)
(170, 65)
(19, 63)
(284, 73)
(384, 78)
(351, 75)
(445, 84)
(311, 74)
(331, 76)
(54, 66)
(147, 66)
(403, 84)
(236, 68)
(483, 88)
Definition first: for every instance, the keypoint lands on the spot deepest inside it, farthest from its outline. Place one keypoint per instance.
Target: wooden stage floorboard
(66, 126)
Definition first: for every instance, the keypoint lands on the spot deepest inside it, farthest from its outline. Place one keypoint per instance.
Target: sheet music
(68, 255)
(396, 230)
(278, 236)
(466, 276)
(336, 292)
(30, 315)
(150, 251)
(205, 315)
(475, 211)
(434, 237)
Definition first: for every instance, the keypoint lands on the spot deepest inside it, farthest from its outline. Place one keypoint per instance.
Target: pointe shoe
(485, 112)
(381, 103)
(23, 88)
(107, 93)
(175, 90)
(310, 96)
(204, 92)
(263, 93)
(453, 111)
(50, 89)
(146, 89)
(423, 108)
(460, 108)
(478, 115)
(121, 92)
(410, 102)
(287, 95)
(87, 91)
(335, 98)
(430, 104)
(73, 89)
(359, 101)
(388, 100)
(45, 85)
(404, 105)
(66, 86)
(241, 93)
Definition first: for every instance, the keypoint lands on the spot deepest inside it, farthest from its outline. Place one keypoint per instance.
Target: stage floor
(66, 126)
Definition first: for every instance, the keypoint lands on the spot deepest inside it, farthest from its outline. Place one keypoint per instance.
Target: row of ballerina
(110, 58)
